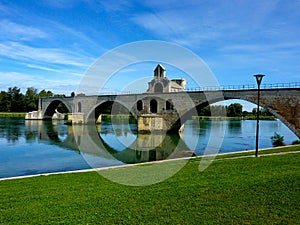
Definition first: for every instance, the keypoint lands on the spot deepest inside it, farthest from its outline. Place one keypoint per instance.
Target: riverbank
(12, 114)
(109, 117)
(262, 190)
(249, 117)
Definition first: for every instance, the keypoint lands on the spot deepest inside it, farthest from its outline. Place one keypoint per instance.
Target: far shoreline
(22, 115)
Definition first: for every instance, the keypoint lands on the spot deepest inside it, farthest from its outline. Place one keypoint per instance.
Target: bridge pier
(76, 118)
(158, 123)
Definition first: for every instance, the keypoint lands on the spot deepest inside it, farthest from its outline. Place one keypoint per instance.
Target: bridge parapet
(245, 87)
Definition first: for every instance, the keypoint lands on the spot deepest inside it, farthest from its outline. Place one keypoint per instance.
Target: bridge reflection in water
(118, 142)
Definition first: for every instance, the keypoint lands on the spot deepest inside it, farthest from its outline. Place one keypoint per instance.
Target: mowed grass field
(264, 190)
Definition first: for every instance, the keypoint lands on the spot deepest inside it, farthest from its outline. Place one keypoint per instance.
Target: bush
(296, 142)
(277, 140)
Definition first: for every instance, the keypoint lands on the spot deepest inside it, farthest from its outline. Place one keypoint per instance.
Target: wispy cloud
(198, 22)
(11, 30)
(63, 4)
(184, 29)
(64, 71)
(50, 55)
(110, 6)
(62, 85)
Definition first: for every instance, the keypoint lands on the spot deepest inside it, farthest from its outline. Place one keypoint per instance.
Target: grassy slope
(262, 190)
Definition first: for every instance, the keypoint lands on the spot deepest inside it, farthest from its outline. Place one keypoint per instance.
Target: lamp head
(259, 78)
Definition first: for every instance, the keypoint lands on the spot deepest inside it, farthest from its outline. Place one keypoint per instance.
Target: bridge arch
(264, 104)
(50, 109)
(169, 104)
(153, 106)
(274, 111)
(139, 105)
(110, 107)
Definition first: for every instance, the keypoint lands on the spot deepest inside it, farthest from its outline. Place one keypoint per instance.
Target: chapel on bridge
(161, 84)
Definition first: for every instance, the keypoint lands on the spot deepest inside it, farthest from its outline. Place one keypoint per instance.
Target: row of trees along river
(13, 100)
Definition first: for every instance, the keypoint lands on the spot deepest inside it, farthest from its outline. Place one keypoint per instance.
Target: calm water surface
(34, 147)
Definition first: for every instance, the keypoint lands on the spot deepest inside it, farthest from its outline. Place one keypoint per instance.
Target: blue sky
(50, 44)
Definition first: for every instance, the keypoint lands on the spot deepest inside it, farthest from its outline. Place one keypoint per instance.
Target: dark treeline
(13, 100)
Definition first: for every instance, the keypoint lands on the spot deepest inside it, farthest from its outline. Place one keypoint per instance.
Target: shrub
(277, 140)
(296, 142)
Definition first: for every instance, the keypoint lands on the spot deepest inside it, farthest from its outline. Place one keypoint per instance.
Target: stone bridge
(169, 111)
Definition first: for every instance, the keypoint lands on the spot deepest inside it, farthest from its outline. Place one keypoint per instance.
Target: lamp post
(259, 78)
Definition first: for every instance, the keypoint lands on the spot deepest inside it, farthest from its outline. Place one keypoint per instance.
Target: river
(35, 147)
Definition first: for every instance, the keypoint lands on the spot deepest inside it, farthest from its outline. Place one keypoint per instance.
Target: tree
(16, 100)
(204, 111)
(265, 112)
(4, 101)
(277, 140)
(234, 110)
(31, 98)
(46, 94)
(62, 108)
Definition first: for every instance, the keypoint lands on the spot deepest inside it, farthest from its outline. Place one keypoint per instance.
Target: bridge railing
(244, 87)
(216, 88)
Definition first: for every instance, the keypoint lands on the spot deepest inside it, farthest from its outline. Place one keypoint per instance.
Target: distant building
(161, 84)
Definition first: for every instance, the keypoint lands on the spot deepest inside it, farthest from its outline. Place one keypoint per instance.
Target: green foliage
(62, 108)
(234, 110)
(31, 98)
(262, 112)
(296, 142)
(15, 101)
(277, 140)
(4, 101)
(261, 190)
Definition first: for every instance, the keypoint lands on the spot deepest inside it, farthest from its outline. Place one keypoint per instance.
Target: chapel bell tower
(159, 72)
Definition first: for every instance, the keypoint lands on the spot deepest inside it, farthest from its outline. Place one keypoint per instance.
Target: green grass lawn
(281, 149)
(264, 190)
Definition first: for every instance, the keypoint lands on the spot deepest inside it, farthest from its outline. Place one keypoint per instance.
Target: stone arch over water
(51, 108)
(108, 107)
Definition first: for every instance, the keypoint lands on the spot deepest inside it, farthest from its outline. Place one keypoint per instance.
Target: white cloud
(61, 85)
(109, 6)
(194, 23)
(60, 3)
(55, 70)
(11, 30)
(50, 55)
